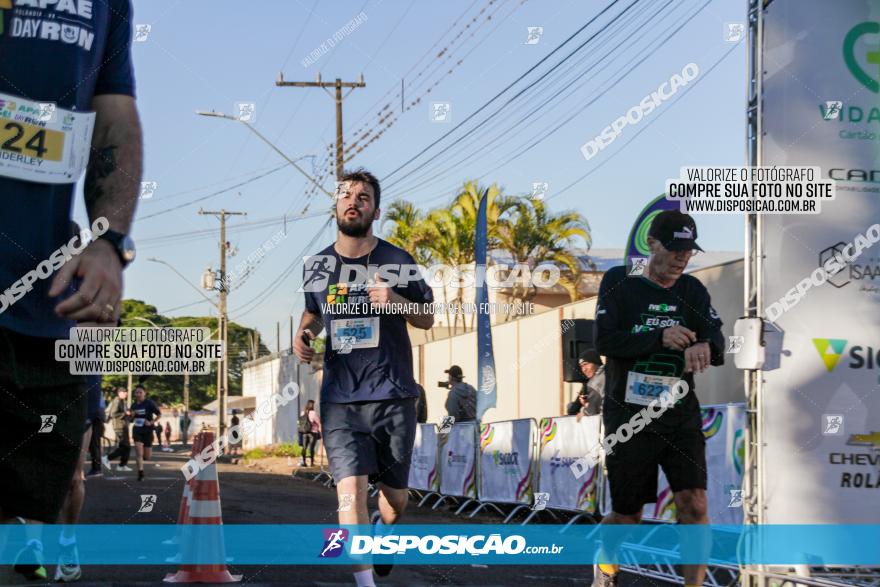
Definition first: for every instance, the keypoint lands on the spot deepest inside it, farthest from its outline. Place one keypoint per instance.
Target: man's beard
(355, 228)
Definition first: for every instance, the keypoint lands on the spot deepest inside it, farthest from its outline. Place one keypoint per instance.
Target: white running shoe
(68, 569)
(105, 461)
(125, 468)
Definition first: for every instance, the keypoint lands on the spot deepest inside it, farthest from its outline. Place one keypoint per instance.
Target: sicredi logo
(852, 60)
(505, 458)
(334, 542)
(860, 357)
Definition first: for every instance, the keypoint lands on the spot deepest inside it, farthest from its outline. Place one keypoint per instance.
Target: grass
(287, 449)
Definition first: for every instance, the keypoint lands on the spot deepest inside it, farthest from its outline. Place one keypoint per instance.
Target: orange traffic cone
(201, 505)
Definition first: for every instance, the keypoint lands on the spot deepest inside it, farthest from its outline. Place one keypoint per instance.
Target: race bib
(139, 421)
(354, 333)
(642, 389)
(43, 143)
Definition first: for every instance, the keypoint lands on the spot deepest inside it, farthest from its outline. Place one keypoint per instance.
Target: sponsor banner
(457, 456)
(564, 440)
(820, 406)
(637, 241)
(506, 461)
(723, 428)
(450, 544)
(423, 467)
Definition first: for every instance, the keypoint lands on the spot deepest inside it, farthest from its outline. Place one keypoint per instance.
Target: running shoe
(105, 461)
(29, 562)
(123, 468)
(95, 473)
(68, 569)
(600, 579)
(382, 569)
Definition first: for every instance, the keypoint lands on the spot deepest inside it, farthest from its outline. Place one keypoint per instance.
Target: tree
(168, 389)
(532, 236)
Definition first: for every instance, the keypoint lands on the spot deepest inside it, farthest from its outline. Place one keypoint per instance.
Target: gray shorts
(371, 438)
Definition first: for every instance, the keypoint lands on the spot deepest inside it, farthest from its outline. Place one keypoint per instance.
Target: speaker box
(577, 336)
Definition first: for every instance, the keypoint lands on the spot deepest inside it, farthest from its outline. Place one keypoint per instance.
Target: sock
(609, 569)
(364, 578)
(65, 540)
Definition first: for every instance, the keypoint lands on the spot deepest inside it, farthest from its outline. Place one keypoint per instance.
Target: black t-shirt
(143, 412)
(362, 372)
(631, 314)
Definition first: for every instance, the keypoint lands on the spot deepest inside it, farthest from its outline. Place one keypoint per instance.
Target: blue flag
(637, 243)
(486, 392)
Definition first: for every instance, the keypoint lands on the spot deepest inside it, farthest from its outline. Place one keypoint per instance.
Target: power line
(509, 86)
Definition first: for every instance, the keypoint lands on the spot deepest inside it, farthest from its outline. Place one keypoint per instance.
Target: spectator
(117, 414)
(97, 418)
(461, 403)
(235, 440)
(310, 424)
(594, 387)
(167, 436)
(421, 406)
(184, 426)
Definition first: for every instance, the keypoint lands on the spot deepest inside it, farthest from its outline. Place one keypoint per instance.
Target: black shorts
(43, 409)
(632, 466)
(371, 438)
(143, 434)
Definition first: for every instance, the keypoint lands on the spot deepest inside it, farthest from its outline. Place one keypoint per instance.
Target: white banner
(423, 467)
(821, 406)
(564, 440)
(506, 457)
(457, 454)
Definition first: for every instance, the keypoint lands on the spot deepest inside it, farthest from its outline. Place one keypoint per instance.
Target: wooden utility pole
(223, 370)
(338, 97)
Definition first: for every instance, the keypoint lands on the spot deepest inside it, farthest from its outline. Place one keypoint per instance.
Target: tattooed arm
(111, 189)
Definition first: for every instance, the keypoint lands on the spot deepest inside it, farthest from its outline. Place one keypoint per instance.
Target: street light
(215, 114)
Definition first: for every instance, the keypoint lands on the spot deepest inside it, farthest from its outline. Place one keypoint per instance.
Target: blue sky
(203, 55)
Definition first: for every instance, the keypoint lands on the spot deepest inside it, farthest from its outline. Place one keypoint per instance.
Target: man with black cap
(655, 330)
(461, 403)
(589, 399)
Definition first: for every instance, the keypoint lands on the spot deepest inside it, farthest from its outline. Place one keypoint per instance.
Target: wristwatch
(123, 244)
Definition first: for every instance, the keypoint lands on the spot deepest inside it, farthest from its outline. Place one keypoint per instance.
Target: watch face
(128, 250)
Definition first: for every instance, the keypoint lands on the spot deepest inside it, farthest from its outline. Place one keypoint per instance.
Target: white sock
(364, 578)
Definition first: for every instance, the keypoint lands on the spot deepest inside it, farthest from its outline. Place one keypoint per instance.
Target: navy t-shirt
(142, 412)
(357, 374)
(66, 53)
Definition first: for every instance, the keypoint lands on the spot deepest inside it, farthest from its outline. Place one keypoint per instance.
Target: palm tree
(532, 236)
(406, 230)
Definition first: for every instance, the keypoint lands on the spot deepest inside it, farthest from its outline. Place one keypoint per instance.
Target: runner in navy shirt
(144, 412)
(368, 395)
(66, 108)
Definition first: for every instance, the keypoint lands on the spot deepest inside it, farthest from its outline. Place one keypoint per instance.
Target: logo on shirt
(662, 307)
(336, 293)
(50, 21)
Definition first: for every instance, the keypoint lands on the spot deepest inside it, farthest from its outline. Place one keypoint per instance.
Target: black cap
(675, 231)
(455, 371)
(590, 356)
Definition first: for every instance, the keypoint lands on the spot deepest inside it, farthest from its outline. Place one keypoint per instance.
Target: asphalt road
(252, 497)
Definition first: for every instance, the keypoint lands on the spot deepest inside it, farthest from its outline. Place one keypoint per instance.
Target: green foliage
(168, 389)
(288, 449)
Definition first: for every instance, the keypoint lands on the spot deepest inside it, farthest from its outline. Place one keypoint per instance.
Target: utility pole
(223, 370)
(183, 433)
(338, 97)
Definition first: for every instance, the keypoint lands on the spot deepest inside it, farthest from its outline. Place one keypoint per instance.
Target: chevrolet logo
(872, 440)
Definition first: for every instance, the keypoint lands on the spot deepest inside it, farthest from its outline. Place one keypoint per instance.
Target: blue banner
(486, 391)
(453, 544)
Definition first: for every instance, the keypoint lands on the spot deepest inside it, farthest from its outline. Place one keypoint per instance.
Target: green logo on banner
(849, 56)
(830, 350)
